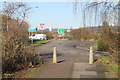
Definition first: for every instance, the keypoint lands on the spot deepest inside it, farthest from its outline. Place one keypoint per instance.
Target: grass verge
(113, 67)
(42, 41)
(95, 46)
(37, 42)
(33, 45)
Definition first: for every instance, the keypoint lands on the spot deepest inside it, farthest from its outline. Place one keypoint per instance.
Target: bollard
(54, 55)
(91, 56)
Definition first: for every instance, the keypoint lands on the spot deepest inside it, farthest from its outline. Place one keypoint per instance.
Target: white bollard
(91, 56)
(54, 55)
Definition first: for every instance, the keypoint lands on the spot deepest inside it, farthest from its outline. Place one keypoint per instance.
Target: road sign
(42, 25)
(61, 31)
(32, 30)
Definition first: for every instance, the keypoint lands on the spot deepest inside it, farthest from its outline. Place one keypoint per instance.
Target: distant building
(50, 28)
(55, 29)
(47, 29)
(68, 30)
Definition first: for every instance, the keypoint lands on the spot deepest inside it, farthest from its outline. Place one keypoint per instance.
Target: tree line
(84, 34)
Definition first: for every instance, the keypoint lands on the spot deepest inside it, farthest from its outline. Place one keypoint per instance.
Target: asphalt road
(67, 55)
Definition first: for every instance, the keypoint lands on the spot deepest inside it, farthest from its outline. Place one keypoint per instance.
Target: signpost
(42, 27)
(32, 30)
(61, 31)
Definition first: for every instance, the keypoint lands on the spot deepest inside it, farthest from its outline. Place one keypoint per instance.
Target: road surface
(67, 55)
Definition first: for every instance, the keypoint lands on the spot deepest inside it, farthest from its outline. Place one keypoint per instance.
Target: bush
(16, 54)
(20, 62)
(101, 45)
(17, 62)
(36, 59)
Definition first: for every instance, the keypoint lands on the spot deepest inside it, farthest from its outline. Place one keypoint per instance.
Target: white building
(50, 28)
(68, 30)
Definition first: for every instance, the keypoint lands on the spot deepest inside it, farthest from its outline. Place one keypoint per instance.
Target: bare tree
(17, 11)
(99, 11)
(15, 37)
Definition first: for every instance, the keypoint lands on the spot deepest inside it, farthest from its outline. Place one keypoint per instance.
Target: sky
(58, 15)
(55, 14)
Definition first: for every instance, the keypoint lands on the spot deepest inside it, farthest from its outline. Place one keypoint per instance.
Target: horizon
(56, 14)
(59, 15)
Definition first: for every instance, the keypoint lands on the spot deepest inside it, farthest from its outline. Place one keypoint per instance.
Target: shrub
(14, 37)
(101, 45)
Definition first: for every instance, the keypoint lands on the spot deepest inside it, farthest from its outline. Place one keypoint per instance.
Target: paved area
(69, 57)
(85, 70)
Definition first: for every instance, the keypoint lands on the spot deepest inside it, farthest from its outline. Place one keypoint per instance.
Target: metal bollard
(91, 56)
(54, 55)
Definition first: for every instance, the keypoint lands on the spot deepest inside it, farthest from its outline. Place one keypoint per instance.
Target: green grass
(105, 59)
(7, 75)
(108, 62)
(115, 68)
(42, 41)
(36, 42)
(95, 46)
(33, 45)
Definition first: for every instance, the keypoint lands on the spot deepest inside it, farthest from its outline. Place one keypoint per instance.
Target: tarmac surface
(72, 61)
